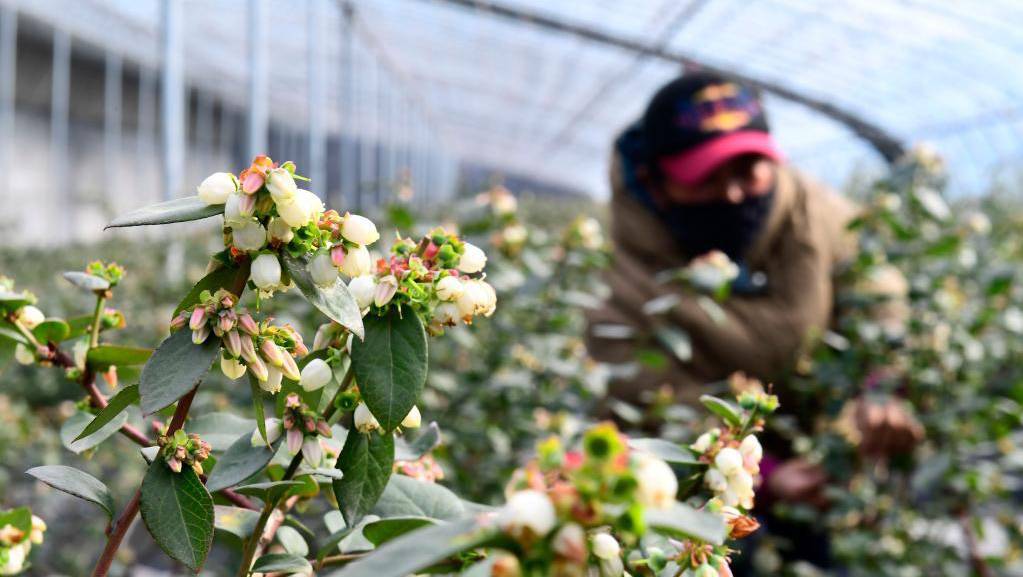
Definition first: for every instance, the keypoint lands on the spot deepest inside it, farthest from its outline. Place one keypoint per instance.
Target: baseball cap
(696, 123)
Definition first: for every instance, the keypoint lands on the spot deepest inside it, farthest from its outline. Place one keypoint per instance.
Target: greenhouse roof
(504, 88)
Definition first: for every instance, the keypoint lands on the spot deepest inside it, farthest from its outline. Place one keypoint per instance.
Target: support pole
(317, 99)
(258, 104)
(8, 79)
(172, 103)
(60, 102)
(112, 98)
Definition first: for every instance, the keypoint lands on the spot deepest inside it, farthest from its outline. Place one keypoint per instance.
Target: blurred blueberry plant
(369, 360)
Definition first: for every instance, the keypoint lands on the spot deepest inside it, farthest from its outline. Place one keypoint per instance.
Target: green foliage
(178, 511)
(365, 462)
(175, 368)
(77, 483)
(335, 302)
(390, 365)
(171, 211)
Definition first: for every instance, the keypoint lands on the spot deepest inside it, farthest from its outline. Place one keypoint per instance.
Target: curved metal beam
(887, 145)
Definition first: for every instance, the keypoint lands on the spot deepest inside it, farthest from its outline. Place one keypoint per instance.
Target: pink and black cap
(700, 121)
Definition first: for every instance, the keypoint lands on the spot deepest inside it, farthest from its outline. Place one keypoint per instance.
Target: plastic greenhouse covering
(520, 97)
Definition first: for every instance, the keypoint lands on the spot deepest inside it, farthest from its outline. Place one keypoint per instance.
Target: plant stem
(259, 536)
(249, 553)
(132, 509)
(96, 314)
(117, 532)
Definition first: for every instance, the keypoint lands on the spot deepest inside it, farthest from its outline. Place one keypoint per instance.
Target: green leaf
(387, 529)
(723, 409)
(51, 331)
(407, 497)
(175, 368)
(102, 357)
(331, 544)
(220, 430)
(7, 348)
(390, 365)
(426, 441)
(10, 302)
(20, 518)
(257, 406)
(281, 563)
(235, 521)
(80, 326)
(177, 210)
(9, 331)
(178, 511)
(219, 278)
(336, 302)
(677, 341)
(415, 551)
(86, 281)
(292, 541)
(666, 451)
(77, 423)
(366, 462)
(269, 491)
(240, 462)
(685, 521)
(121, 401)
(77, 483)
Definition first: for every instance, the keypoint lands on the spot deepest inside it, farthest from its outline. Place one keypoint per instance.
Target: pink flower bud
(312, 451)
(290, 368)
(385, 290)
(292, 401)
(248, 324)
(258, 368)
(252, 182)
(295, 438)
(198, 318)
(227, 320)
(272, 353)
(337, 255)
(233, 343)
(174, 464)
(324, 429)
(200, 335)
(309, 424)
(179, 321)
(248, 350)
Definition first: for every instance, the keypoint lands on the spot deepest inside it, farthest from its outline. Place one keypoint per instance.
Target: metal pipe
(887, 144)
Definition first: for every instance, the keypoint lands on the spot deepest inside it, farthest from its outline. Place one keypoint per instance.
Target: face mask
(730, 228)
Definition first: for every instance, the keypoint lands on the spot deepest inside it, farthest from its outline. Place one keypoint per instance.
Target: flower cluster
(110, 272)
(733, 466)
(561, 506)
(16, 544)
(183, 449)
(303, 429)
(509, 234)
(440, 277)
(268, 351)
(365, 422)
(711, 273)
(265, 212)
(584, 232)
(19, 309)
(424, 469)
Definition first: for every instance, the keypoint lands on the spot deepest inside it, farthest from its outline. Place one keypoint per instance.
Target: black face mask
(730, 228)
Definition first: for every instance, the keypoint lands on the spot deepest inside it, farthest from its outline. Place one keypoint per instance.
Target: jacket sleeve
(761, 335)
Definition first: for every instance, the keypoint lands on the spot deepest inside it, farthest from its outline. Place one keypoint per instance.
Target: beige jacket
(803, 242)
